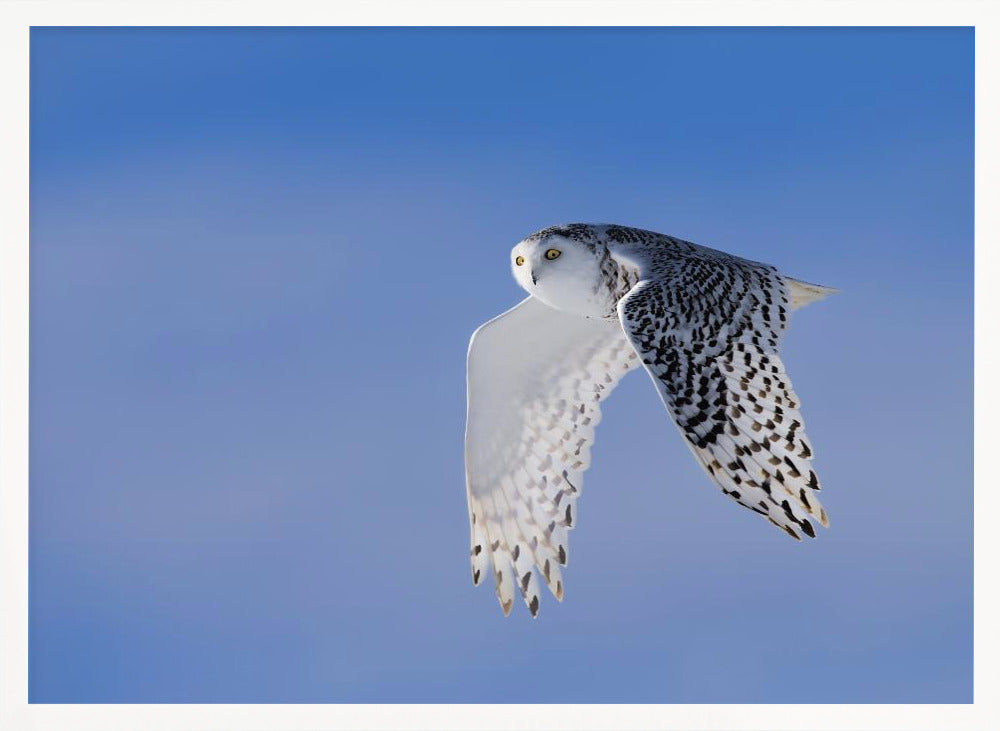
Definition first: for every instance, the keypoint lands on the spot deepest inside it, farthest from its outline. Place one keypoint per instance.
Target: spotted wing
(536, 377)
(707, 328)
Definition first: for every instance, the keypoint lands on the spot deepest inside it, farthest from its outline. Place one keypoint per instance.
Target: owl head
(562, 271)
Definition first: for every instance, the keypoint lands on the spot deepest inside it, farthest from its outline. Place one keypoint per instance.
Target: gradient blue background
(256, 259)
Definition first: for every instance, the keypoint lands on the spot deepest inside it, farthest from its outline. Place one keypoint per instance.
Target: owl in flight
(604, 299)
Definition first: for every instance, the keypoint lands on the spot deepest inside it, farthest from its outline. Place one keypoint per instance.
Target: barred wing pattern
(707, 327)
(536, 377)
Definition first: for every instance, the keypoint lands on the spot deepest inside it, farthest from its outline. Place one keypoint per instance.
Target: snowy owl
(603, 299)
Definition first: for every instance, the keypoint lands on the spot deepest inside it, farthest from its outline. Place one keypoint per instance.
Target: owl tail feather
(804, 293)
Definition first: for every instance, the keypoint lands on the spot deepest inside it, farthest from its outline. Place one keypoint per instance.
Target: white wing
(536, 377)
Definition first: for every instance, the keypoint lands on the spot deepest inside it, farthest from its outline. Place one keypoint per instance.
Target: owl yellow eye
(519, 260)
(552, 254)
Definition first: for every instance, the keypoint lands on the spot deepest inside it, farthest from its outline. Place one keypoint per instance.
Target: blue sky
(256, 259)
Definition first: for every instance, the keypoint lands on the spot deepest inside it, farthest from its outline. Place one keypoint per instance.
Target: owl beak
(534, 279)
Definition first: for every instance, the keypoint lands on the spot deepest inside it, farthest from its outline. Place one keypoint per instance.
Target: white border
(15, 18)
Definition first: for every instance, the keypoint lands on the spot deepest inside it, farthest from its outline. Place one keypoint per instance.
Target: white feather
(536, 376)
